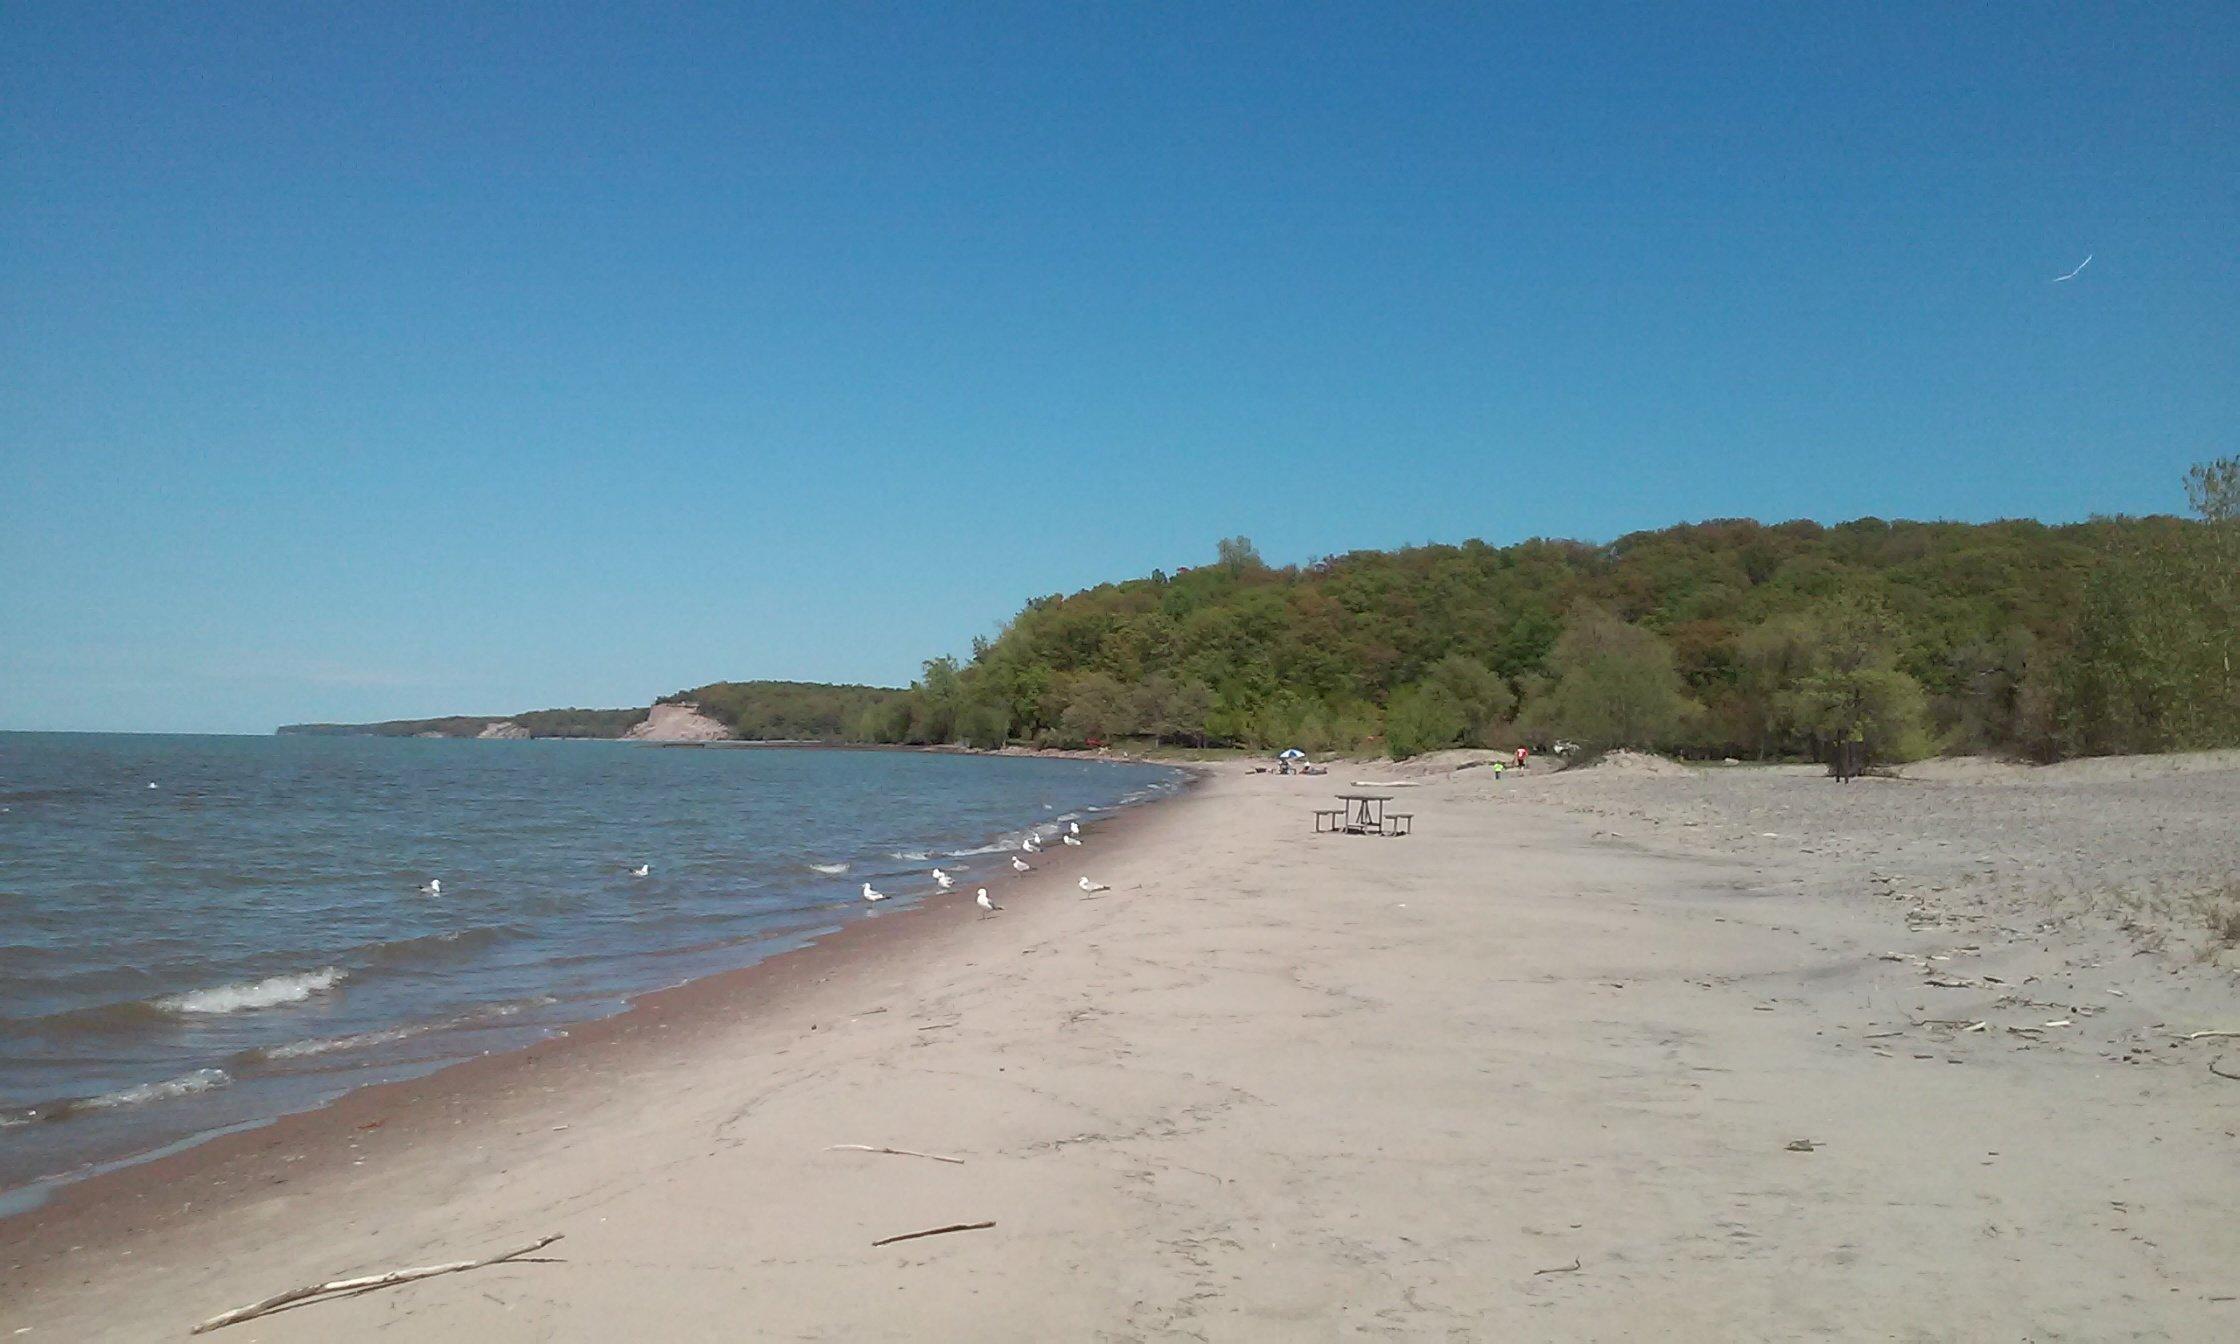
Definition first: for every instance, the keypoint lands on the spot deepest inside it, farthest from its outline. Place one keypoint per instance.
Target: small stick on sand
(360, 1285)
(896, 1152)
(2220, 1072)
(933, 1232)
(2204, 1035)
(1559, 1269)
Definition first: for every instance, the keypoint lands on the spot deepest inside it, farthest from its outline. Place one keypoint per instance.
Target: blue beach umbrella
(1291, 754)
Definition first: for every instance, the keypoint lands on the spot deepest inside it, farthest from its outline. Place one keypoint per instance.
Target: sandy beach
(1630, 1052)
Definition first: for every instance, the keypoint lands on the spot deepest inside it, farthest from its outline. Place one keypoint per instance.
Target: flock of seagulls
(1031, 844)
(943, 880)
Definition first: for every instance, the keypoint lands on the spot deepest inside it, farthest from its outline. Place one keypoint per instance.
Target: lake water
(202, 932)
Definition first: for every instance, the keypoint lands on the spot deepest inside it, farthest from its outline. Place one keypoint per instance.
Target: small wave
(833, 869)
(910, 855)
(201, 1080)
(271, 992)
(328, 1045)
(433, 946)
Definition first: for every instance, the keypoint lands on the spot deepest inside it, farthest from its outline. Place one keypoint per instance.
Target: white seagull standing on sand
(1073, 828)
(642, 870)
(1019, 865)
(984, 903)
(433, 888)
(2075, 273)
(871, 893)
(1030, 845)
(943, 880)
(1073, 840)
(1093, 887)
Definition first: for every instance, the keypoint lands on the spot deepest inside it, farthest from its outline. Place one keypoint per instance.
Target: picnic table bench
(1363, 814)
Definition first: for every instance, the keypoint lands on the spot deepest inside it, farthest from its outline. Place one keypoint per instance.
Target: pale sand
(1279, 1086)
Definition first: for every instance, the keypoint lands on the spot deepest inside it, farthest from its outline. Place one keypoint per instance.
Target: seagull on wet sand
(1073, 840)
(871, 893)
(1093, 887)
(434, 887)
(1019, 865)
(984, 903)
(943, 880)
(1030, 845)
(1073, 828)
(2075, 273)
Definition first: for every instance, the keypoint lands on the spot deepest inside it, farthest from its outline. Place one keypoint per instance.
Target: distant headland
(750, 711)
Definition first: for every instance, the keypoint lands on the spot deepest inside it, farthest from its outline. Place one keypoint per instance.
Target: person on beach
(1521, 753)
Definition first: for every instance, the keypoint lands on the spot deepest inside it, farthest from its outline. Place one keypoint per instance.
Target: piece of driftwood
(362, 1284)
(894, 1152)
(2220, 1072)
(1571, 1268)
(2204, 1035)
(934, 1232)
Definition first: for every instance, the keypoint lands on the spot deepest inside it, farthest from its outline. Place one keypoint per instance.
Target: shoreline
(187, 1158)
(1569, 1062)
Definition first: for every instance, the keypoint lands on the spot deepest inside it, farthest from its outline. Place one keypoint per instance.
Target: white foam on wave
(201, 1080)
(271, 992)
(910, 855)
(327, 1045)
(835, 869)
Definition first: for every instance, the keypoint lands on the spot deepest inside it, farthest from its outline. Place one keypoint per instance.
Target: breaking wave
(250, 995)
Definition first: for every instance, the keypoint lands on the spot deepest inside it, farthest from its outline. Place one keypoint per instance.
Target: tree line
(1723, 638)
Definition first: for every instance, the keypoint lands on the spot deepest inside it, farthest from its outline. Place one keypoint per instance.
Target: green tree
(1423, 718)
(1615, 686)
(1477, 692)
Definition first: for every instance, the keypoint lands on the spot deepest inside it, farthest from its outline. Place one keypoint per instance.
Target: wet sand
(1542, 1070)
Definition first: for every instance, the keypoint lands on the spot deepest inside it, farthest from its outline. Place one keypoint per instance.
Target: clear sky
(364, 361)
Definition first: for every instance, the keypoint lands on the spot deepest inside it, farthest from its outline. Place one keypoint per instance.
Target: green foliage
(787, 711)
(1616, 686)
(1423, 718)
(1727, 637)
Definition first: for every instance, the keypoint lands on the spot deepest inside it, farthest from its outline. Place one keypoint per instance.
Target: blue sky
(369, 361)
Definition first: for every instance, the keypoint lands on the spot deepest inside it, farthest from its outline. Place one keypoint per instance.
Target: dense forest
(786, 711)
(1724, 638)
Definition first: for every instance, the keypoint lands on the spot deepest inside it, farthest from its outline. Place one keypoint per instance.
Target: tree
(1098, 709)
(1237, 555)
(1615, 686)
(1423, 718)
(1850, 688)
(1481, 697)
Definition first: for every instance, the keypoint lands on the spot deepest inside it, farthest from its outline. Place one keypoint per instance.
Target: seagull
(434, 887)
(943, 880)
(1019, 865)
(1093, 887)
(984, 903)
(871, 893)
(1073, 828)
(1030, 845)
(1073, 840)
(151, 786)
(2075, 273)
(642, 870)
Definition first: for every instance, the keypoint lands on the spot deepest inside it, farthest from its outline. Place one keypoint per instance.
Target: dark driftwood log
(2221, 1073)
(364, 1284)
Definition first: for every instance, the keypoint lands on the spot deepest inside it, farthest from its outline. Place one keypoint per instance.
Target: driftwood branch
(934, 1232)
(2220, 1072)
(1571, 1268)
(894, 1152)
(2201, 1035)
(367, 1283)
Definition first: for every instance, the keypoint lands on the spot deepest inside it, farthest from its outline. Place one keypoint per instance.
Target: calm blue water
(250, 935)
